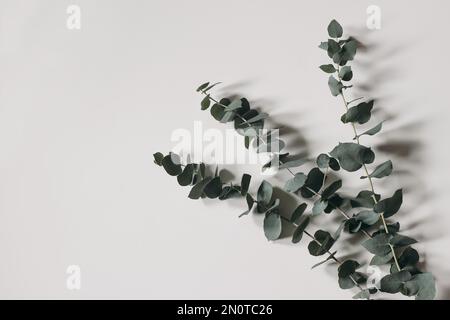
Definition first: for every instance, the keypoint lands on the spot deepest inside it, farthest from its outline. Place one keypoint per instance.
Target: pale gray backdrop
(82, 112)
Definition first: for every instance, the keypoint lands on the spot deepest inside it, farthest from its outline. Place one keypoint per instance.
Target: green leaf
(360, 113)
(352, 156)
(372, 131)
(331, 189)
(294, 184)
(298, 212)
(391, 205)
(319, 207)
(347, 268)
(217, 111)
(230, 192)
(272, 226)
(347, 53)
(323, 46)
(393, 283)
(313, 182)
(298, 233)
(158, 158)
(203, 86)
(185, 178)
(346, 283)
(265, 192)
(346, 73)
(197, 190)
(409, 257)
(381, 260)
(383, 170)
(363, 295)
(214, 188)
(323, 161)
(335, 86)
(368, 217)
(378, 245)
(328, 68)
(205, 102)
(322, 243)
(333, 48)
(422, 285)
(402, 241)
(334, 164)
(335, 29)
(171, 164)
(364, 199)
(245, 183)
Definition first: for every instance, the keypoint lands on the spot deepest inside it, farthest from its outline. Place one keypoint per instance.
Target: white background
(82, 112)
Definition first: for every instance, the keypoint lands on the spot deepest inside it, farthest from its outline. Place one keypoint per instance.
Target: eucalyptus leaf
(250, 202)
(346, 73)
(319, 207)
(298, 212)
(171, 165)
(402, 241)
(393, 283)
(352, 156)
(378, 245)
(364, 199)
(313, 183)
(347, 268)
(362, 295)
(333, 48)
(381, 171)
(323, 161)
(245, 183)
(360, 113)
(368, 217)
(265, 192)
(381, 260)
(328, 68)
(203, 86)
(331, 189)
(322, 243)
(409, 257)
(423, 285)
(390, 206)
(335, 86)
(294, 184)
(158, 158)
(372, 131)
(272, 226)
(335, 29)
(214, 188)
(197, 190)
(185, 178)
(206, 102)
(298, 233)
(323, 46)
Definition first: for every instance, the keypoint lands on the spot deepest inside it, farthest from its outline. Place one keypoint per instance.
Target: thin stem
(368, 176)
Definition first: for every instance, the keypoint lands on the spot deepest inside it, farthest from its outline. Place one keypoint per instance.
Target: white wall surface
(82, 112)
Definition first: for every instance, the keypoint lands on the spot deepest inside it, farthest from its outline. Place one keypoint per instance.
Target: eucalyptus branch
(384, 242)
(405, 276)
